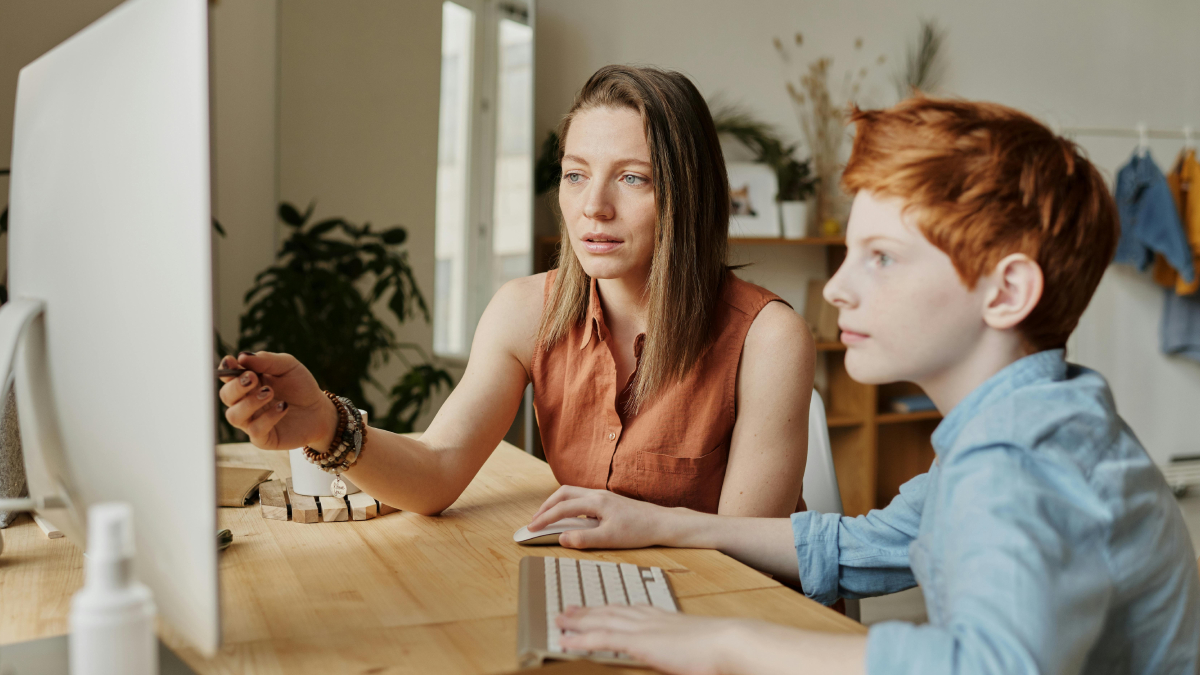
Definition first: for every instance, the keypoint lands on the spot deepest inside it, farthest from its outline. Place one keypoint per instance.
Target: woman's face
(607, 194)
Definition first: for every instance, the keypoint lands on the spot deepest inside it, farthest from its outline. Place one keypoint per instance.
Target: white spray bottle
(112, 616)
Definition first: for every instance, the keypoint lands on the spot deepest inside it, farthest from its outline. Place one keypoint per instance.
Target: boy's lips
(849, 337)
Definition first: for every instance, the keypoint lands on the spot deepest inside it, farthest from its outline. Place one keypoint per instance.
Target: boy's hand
(624, 522)
(665, 641)
(277, 402)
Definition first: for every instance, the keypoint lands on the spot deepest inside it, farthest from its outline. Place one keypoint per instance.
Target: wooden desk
(402, 593)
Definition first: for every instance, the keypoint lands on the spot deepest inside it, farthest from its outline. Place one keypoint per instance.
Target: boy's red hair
(985, 181)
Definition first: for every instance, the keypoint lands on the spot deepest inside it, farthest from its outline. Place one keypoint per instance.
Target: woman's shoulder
(514, 313)
(774, 324)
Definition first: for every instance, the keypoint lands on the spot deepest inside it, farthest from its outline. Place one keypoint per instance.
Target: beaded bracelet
(346, 447)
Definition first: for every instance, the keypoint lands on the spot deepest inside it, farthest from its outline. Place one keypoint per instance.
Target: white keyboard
(550, 585)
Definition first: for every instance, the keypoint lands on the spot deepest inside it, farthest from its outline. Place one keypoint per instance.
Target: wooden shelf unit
(875, 450)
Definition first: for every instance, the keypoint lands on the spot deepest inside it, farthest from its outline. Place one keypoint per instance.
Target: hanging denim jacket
(1149, 221)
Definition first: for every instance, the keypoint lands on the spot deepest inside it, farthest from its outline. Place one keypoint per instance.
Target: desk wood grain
(402, 592)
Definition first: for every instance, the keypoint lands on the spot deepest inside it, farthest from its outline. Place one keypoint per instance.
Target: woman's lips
(601, 246)
(849, 337)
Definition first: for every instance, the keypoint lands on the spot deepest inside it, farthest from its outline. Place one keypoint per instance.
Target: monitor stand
(48, 656)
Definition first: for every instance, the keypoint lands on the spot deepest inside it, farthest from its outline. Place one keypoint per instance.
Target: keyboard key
(568, 579)
(614, 588)
(593, 591)
(633, 585)
(660, 596)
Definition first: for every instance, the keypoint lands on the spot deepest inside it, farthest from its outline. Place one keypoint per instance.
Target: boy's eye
(882, 259)
(630, 179)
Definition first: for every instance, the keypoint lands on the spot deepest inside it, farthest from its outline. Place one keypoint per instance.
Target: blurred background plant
(821, 113)
(924, 64)
(796, 182)
(317, 303)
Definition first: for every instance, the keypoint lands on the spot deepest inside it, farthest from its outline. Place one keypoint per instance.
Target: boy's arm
(1018, 584)
(869, 554)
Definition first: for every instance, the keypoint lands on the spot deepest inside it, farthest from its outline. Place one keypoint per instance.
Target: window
(453, 179)
(485, 163)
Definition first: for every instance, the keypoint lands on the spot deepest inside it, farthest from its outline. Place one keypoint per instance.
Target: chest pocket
(692, 482)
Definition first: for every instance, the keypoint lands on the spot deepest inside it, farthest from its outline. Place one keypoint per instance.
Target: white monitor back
(110, 229)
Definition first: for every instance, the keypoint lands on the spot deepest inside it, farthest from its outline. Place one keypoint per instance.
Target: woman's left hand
(672, 643)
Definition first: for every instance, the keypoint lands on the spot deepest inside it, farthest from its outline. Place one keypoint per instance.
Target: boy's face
(904, 312)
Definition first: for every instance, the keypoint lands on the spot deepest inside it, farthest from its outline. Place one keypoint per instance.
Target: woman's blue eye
(572, 177)
(630, 179)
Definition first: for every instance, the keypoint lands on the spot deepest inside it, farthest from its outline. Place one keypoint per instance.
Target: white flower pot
(795, 218)
(309, 479)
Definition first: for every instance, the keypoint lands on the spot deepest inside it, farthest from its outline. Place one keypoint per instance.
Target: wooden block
(273, 497)
(51, 531)
(333, 509)
(384, 509)
(362, 506)
(304, 508)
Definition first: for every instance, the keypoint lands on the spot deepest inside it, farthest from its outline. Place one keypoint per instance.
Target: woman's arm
(769, 447)
(424, 475)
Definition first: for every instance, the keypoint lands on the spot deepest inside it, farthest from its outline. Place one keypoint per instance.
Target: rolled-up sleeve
(859, 557)
(1019, 587)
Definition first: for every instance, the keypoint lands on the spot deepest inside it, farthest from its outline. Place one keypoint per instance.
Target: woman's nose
(598, 203)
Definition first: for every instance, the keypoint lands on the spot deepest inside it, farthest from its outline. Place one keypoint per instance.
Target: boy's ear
(1015, 287)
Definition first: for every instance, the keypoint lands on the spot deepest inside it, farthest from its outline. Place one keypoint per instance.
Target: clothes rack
(1139, 132)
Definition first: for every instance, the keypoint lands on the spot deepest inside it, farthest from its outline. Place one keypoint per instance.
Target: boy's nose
(837, 292)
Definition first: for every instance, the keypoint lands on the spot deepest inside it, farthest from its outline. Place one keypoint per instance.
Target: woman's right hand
(277, 402)
(624, 522)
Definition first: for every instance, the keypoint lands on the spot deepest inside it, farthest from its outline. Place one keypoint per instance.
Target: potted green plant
(796, 185)
(318, 302)
(795, 179)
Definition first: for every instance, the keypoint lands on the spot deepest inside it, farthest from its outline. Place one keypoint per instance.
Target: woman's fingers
(561, 494)
(262, 427)
(570, 508)
(241, 413)
(237, 388)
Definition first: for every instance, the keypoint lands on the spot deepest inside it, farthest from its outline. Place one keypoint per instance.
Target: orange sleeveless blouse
(674, 451)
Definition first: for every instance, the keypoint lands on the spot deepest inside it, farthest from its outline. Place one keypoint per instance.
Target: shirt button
(611, 435)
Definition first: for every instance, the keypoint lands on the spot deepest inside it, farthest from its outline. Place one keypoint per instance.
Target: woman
(657, 374)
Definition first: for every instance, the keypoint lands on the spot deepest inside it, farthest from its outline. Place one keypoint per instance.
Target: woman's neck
(624, 302)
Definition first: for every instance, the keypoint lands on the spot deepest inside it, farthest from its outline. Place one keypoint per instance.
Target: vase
(309, 479)
(795, 217)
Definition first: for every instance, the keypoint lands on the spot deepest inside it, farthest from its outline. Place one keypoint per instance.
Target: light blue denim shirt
(1043, 537)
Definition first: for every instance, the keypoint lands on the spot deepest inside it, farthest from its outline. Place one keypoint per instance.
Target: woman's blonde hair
(691, 194)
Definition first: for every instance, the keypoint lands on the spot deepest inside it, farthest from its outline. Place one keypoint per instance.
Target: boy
(1043, 537)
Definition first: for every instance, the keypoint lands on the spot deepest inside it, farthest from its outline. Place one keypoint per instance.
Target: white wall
(358, 116)
(243, 73)
(1079, 62)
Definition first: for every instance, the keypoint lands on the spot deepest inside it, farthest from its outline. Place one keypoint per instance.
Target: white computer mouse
(548, 536)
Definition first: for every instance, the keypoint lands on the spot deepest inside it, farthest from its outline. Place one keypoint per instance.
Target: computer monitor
(110, 274)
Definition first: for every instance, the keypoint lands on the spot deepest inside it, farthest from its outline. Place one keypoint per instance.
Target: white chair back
(821, 491)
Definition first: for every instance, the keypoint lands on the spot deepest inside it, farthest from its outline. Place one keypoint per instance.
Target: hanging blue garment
(1179, 332)
(1149, 220)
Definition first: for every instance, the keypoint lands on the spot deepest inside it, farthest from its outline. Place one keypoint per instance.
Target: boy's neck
(994, 352)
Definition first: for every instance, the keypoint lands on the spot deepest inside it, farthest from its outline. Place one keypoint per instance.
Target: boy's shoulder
(1064, 429)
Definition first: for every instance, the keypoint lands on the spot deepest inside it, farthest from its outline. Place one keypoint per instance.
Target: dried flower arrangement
(822, 117)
